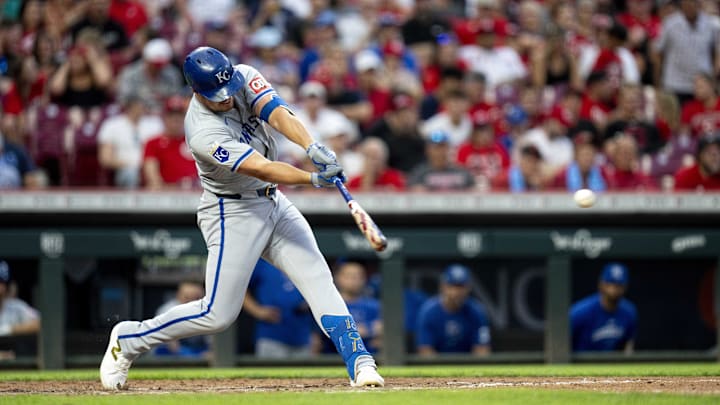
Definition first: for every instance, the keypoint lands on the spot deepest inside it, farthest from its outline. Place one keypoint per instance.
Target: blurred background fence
(87, 259)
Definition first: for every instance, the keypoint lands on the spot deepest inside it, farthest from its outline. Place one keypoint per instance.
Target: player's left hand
(321, 156)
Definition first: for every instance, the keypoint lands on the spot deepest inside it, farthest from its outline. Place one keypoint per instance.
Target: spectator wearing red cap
(623, 172)
(499, 63)
(701, 115)
(453, 119)
(167, 161)
(399, 130)
(153, 78)
(629, 118)
(376, 175)
(482, 155)
(705, 173)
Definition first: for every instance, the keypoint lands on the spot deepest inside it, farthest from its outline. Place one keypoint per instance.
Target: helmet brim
(223, 93)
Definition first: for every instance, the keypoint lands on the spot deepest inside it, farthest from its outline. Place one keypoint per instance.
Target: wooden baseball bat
(363, 220)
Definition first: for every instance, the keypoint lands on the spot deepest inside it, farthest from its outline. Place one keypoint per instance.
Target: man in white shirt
(121, 141)
(500, 64)
(454, 120)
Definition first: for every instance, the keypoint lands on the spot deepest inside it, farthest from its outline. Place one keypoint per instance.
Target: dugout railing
(52, 227)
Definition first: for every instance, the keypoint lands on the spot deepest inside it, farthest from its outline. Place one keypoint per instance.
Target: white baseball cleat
(115, 364)
(367, 376)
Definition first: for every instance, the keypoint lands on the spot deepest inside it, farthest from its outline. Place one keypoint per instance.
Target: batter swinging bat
(363, 220)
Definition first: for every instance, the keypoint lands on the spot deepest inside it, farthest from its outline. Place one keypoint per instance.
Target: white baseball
(584, 198)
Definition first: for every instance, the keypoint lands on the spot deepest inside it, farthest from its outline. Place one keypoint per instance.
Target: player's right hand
(326, 177)
(321, 156)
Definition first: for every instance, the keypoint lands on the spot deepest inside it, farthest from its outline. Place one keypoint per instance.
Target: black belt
(268, 192)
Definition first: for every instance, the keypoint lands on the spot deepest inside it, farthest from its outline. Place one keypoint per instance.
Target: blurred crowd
(477, 95)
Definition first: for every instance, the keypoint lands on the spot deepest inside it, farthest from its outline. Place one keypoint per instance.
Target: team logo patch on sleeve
(258, 84)
(220, 154)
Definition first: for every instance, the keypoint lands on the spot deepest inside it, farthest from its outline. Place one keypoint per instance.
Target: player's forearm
(279, 173)
(291, 127)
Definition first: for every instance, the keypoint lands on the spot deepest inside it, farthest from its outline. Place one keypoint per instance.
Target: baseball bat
(363, 220)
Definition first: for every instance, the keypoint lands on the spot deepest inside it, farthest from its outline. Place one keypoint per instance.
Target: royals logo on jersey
(219, 153)
(258, 84)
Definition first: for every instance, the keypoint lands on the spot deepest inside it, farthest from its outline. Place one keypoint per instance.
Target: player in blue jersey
(605, 321)
(284, 321)
(453, 322)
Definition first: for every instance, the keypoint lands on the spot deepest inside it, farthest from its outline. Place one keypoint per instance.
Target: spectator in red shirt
(597, 103)
(482, 109)
(701, 115)
(624, 173)
(643, 26)
(705, 173)
(487, 11)
(376, 174)
(373, 83)
(130, 14)
(482, 155)
(167, 161)
(610, 55)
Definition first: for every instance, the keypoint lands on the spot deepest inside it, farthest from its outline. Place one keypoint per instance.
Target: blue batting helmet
(210, 73)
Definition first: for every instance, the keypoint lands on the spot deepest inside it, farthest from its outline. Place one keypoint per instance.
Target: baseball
(584, 198)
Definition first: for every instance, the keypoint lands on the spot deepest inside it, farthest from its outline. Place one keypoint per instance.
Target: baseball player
(452, 321)
(606, 320)
(243, 217)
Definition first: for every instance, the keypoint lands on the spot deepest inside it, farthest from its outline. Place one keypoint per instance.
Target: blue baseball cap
(456, 274)
(615, 273)
(4, 272)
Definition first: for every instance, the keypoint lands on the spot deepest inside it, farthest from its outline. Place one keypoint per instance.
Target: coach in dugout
(605, 321)
(453, 322)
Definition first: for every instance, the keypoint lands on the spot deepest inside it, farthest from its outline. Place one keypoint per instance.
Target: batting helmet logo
(223, 76)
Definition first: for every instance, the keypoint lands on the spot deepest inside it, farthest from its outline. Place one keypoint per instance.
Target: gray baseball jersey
(238, 231)
(220, 142)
